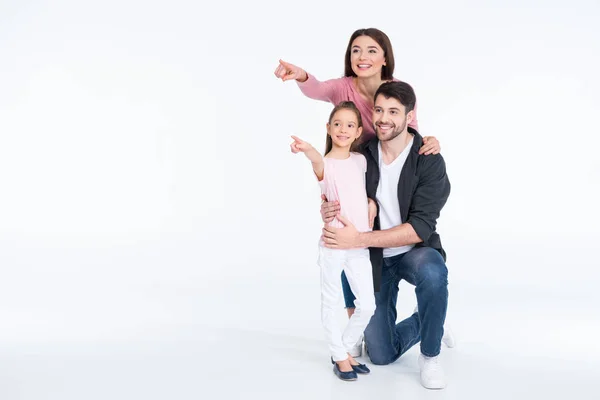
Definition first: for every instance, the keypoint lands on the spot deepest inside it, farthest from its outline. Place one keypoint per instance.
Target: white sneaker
(432, 374)
(357, 349)
(448, 337)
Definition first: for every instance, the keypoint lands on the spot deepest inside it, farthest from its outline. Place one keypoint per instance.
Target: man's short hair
(400, 91)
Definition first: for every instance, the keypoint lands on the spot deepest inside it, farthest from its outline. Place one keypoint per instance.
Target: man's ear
(410, 116)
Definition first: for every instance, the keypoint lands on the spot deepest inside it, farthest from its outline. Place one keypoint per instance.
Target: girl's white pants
(357, 265)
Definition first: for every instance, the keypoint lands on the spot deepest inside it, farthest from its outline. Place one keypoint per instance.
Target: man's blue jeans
(385, 340)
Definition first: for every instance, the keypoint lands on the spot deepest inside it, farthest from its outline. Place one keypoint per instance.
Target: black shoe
(345, 376)
(359, 369)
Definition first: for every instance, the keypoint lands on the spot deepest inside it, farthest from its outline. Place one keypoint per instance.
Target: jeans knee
(379, 359)
(433, 276)
(379, 350)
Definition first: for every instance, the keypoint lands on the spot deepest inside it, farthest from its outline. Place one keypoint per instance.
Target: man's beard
(393, 134)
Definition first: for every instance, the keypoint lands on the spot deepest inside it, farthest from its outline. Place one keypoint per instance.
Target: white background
(149, 204)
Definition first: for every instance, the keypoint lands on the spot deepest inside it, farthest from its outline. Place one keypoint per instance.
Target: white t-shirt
(387, 197)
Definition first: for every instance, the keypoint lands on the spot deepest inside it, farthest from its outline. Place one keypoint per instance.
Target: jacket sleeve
(431, 193)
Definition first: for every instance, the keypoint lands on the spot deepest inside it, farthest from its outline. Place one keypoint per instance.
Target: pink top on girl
(344, 180)
(343, 89)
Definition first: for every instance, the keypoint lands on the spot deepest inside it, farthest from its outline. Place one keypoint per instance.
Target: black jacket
(423, 189)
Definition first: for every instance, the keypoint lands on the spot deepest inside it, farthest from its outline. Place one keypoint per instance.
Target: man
(410, 191)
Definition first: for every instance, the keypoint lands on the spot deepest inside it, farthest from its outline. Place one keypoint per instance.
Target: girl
(341, 175)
